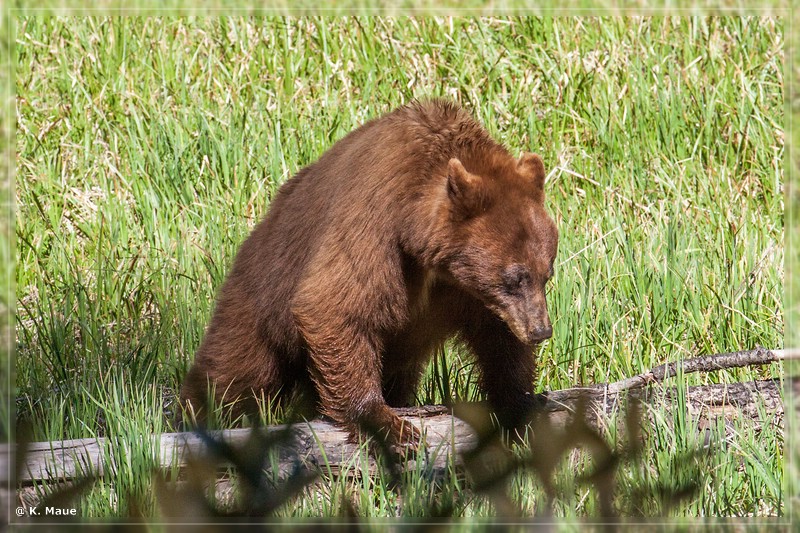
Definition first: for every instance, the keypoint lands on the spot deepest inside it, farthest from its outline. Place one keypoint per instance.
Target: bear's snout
(541, 333)
(537, 329)
(528, 319)
(527, 324)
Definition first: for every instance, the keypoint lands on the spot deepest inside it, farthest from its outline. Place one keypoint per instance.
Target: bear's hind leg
(233, 377)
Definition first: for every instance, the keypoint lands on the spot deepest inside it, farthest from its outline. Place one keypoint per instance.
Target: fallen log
(320, 445)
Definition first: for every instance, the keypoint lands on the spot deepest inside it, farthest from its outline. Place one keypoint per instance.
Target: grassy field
(147, 148)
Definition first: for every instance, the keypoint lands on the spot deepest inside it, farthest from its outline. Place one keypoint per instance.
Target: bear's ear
(531, 166)
(463, 188)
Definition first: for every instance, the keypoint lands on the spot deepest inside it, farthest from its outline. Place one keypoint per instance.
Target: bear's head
(503, 243)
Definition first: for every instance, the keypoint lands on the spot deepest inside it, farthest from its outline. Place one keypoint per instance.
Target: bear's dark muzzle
(540, 334)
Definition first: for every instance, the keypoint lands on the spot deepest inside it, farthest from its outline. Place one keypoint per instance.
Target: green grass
(147, 148)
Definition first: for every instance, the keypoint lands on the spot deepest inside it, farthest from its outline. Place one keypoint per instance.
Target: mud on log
(322, 446)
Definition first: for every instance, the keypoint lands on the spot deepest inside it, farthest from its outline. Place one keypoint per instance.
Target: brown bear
(413, 228)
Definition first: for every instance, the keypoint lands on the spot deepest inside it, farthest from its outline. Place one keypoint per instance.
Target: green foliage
(147, 148)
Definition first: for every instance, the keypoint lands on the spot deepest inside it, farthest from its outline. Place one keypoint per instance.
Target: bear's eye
(550, 271)
(515, 277)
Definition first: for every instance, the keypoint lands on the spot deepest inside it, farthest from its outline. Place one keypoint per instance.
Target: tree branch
(324, 446)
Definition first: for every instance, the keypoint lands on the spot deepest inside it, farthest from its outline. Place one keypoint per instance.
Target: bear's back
(356, 194)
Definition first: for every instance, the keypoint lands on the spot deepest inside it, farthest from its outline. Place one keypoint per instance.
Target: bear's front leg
(345, 369)
(508, 368)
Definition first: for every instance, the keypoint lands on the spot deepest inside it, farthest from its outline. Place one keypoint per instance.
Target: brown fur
(413, 228)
